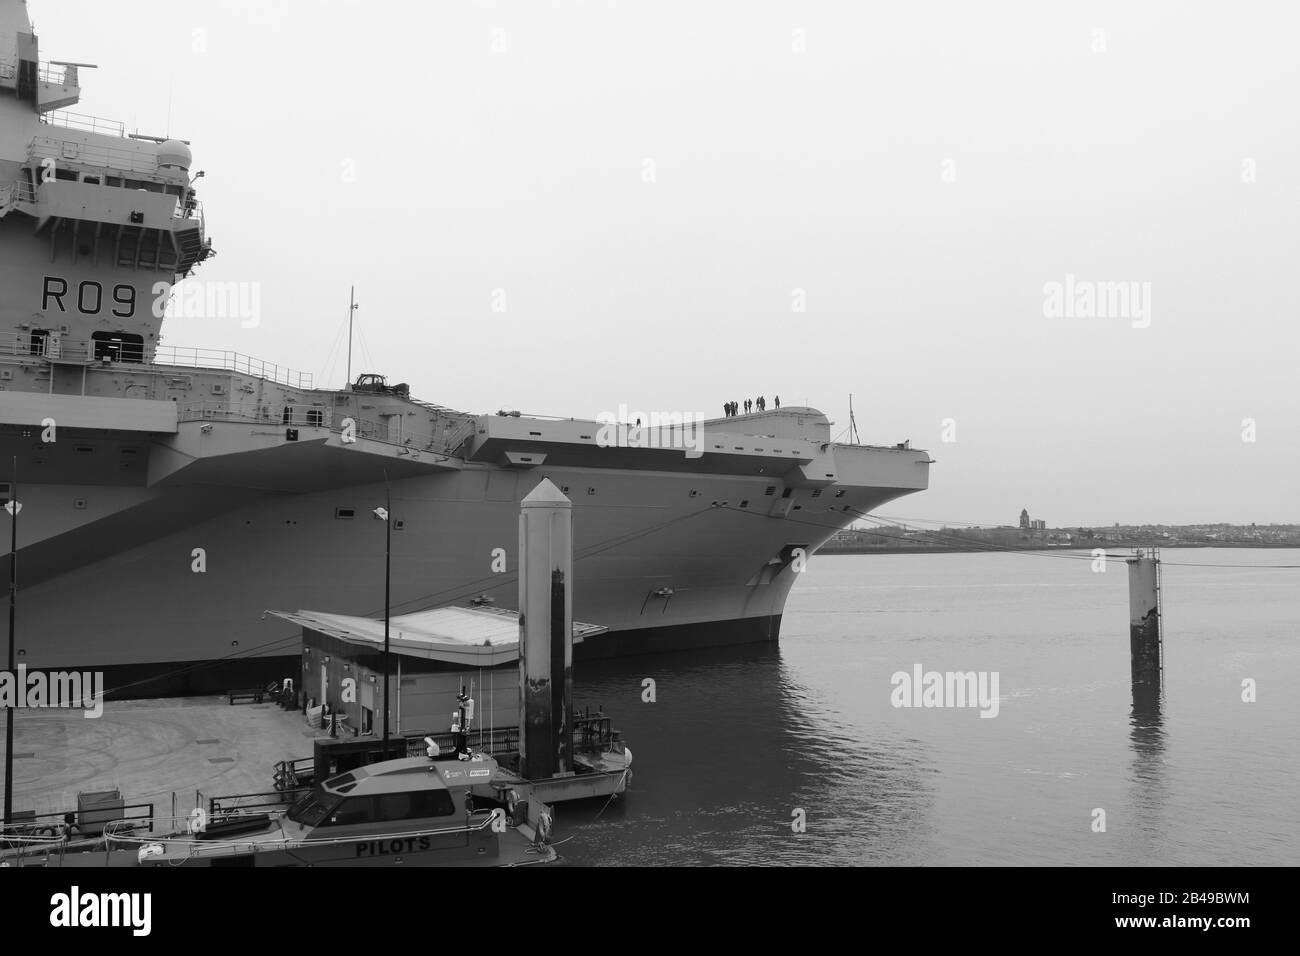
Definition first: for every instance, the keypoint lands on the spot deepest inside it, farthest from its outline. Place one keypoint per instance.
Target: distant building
(1024, 518)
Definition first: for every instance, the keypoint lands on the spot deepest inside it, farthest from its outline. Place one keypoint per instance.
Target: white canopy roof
(482, 636)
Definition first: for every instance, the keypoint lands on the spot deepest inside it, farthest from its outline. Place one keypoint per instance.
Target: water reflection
(733, 744)
(1147, 777)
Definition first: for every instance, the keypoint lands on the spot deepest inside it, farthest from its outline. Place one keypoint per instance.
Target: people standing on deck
(748, 402)
(761, 403)
(777, 401)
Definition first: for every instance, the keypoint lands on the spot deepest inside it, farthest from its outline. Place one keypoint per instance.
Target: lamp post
(13, 507)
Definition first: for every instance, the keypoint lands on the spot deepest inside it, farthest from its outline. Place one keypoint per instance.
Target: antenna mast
(352, 310)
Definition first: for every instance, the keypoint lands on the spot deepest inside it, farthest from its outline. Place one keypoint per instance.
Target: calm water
(739, 738)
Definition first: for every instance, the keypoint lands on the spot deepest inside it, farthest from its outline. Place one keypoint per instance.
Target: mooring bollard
(1145, 650)
(545, 631)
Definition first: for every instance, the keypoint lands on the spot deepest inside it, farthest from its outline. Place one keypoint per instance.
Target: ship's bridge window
(38, 340)
(144, 185)
(65, 175)
(118, 346)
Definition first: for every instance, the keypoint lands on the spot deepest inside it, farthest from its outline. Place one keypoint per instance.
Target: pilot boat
(413, 811)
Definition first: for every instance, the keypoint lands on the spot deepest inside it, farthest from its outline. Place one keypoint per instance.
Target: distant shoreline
(1007, 549)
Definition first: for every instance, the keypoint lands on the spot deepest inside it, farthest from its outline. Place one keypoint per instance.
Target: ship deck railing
(164, 357)
(222, 360)
(17, 192)
(85, 123)
(21, 344)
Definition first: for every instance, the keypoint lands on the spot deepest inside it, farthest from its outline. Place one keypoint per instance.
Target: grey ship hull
(656, 560)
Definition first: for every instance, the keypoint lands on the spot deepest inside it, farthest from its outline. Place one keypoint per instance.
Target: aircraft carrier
(170, 496)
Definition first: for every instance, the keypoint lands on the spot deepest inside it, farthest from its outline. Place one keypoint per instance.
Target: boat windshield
(312, 809)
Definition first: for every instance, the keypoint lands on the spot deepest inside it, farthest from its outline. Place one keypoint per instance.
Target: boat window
(415, 805)
(312, 809)
(352, 811)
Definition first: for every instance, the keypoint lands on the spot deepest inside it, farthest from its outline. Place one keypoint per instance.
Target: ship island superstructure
(170, 496)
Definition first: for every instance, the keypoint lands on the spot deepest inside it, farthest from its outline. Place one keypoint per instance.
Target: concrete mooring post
(545, 631)
(1145, 649)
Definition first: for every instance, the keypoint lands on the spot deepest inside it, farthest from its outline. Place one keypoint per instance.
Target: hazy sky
(653, 190)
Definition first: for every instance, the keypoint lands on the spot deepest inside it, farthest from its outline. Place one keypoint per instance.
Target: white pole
(545, 631)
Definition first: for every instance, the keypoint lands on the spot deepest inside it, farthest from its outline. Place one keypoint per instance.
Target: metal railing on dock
(240, 803)
(500, 740)
(294, 774)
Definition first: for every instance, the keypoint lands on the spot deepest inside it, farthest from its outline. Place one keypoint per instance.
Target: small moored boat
(414, 811)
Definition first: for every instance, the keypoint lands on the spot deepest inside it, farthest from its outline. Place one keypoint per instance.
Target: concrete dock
(152, 749)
